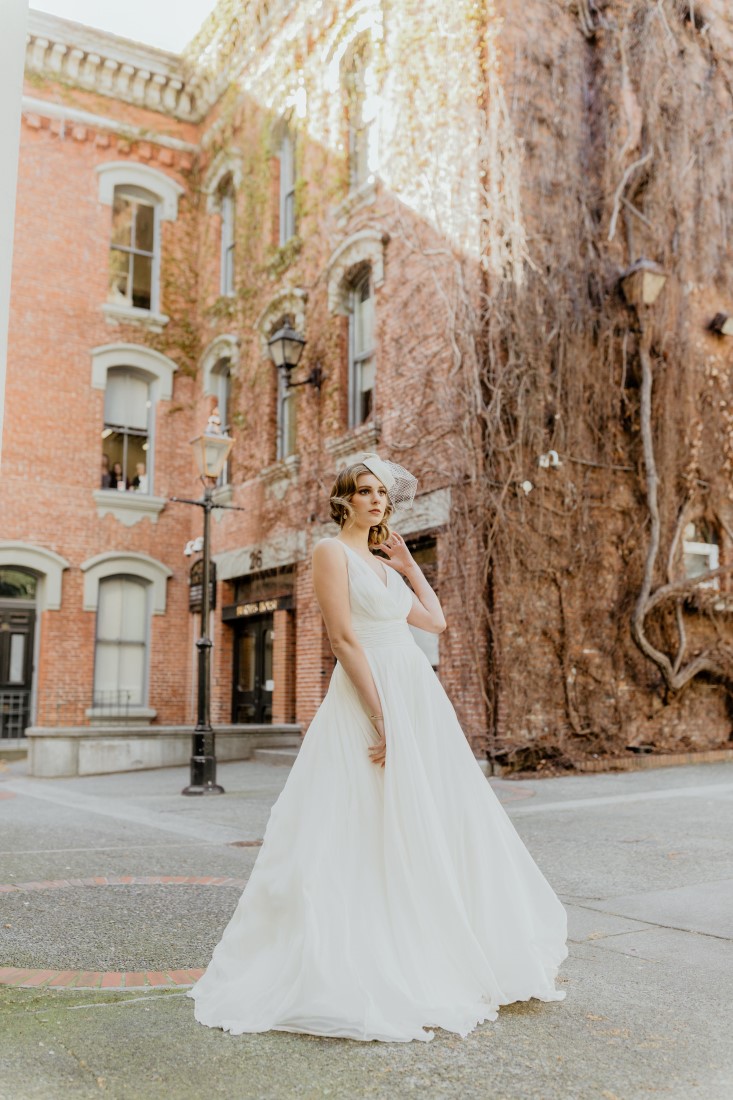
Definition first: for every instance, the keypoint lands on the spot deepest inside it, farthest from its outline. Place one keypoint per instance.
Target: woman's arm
(331, 584)
(426, 613)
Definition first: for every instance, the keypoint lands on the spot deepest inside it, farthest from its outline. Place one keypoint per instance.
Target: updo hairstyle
(343, 490)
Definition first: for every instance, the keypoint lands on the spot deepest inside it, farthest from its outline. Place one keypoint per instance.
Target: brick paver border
(38, 978)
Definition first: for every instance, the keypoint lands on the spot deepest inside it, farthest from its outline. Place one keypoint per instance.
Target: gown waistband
(394, 632)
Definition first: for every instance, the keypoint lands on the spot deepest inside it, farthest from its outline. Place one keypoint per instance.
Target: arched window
(227, 211)
(287, 408)
(134, 249)
(362, 360)
(287, 186)
(220, 383)
(359, 110)
(121, 649)
(126, 432)
(141, 199)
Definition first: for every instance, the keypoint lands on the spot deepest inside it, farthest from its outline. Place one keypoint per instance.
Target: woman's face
(369, 501)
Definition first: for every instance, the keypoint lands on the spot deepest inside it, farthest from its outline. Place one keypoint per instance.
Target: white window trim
(225, 164)
(365, 247)
(227, 244)
(221, 347)
(113, 563)
(291, 300)
(158, 369)
(48, 566)
(285, 398)
(165, 193)
(137, 709)
(287, 138)
(356, 366)
(710, 552)
(126, 173)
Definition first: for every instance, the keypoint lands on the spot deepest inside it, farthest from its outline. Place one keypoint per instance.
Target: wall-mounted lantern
(286, 347)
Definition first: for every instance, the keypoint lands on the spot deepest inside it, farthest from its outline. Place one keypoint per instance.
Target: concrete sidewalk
(643, 862)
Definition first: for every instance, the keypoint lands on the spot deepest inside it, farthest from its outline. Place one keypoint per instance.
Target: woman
(391, 892)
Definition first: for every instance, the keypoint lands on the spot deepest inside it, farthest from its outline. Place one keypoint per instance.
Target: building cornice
(106, 64)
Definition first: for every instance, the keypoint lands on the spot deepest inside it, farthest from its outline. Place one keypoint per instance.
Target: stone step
(276, 756)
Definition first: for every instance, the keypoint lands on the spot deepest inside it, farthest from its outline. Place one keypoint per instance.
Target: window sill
(363, 195)
(134, 715)
(279, 476)
(128, 507)
(129, 315)
(365, 437)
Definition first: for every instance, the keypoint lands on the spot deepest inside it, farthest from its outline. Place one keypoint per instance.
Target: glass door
(253, 682)
(16, 668)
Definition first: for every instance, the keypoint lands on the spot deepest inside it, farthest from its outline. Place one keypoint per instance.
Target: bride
(391, 894)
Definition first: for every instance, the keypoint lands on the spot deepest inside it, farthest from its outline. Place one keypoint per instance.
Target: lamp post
(286, 347)
(211, 450)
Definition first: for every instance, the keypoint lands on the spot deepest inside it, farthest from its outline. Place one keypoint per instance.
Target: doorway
(252, 679)
(17, 629)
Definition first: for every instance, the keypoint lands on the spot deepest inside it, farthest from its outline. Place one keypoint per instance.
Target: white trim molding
(114, 564)
(221, 347)
(128, 507)
(290, 300)
(48, 565)
(121, 173)
(225, 163)
(364, 247)
(158, 367)
(285, 549)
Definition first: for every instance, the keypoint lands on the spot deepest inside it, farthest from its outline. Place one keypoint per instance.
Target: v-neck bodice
(387, 571)
(379, 609)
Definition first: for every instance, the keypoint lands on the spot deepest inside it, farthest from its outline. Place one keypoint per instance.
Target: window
(121, 649)
(361, 350)
(133, 263)
(221, 385)
(287, 187)
(359, 112)
(700, 553)
(227, 208)
(126, 433)
(286, 419)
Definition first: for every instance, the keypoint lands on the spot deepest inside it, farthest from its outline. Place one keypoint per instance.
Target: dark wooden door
(253, 683)
(17, 625)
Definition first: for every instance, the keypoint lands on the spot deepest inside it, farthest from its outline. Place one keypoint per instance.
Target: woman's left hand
(398, 556)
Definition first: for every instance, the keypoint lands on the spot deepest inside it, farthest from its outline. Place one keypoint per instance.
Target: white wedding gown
(385, 900)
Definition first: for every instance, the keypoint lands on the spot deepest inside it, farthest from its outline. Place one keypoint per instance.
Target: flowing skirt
(385, 901)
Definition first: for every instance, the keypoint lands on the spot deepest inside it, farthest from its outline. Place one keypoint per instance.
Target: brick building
(186, 210)
(385, 178)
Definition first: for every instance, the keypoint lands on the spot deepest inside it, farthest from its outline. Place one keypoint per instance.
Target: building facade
(187, 208)
(445, 202)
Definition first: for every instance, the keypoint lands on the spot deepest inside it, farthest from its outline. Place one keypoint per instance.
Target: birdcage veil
(399, 482)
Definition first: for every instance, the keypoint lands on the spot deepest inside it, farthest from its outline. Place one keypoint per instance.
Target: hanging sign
(196, 584)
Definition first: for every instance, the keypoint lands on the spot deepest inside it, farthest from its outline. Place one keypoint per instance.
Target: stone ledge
(55, 752)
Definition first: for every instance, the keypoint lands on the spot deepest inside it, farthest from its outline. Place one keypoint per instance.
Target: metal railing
(14, 714)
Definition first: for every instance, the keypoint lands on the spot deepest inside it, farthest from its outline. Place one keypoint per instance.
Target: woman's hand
(398, 556)
(378, 752)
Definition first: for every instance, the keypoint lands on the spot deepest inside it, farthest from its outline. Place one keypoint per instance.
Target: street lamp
(286, 347)
(211, 450)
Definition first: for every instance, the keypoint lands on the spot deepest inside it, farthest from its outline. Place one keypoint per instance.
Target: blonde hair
(344, 487)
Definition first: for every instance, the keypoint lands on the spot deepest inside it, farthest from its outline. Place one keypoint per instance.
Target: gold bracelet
(374, 716)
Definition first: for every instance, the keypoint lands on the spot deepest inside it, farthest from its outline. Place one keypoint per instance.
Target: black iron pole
(203, 756)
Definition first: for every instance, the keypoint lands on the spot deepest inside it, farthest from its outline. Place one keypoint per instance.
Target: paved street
(99, 945)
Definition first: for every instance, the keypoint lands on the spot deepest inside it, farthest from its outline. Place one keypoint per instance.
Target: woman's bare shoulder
(327, 551)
